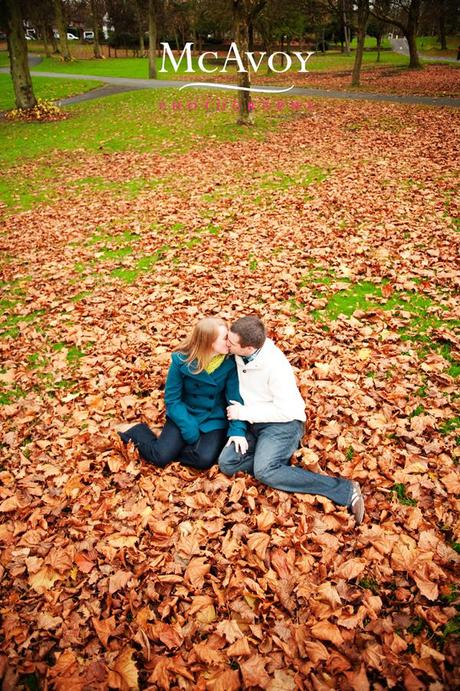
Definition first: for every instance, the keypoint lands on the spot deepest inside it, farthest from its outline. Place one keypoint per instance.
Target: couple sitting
(245, 412)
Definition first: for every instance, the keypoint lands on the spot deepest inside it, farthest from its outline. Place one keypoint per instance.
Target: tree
(152, 39)
(362, 18)
(96, 22)
(405, 15)
(11, 13)
(62, 30)
(244, 13)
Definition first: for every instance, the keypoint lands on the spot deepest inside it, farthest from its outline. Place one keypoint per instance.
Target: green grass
(141, 121)
(431, 43)
(134, 68)
(136, 121)
(46, 88)
(137, 68)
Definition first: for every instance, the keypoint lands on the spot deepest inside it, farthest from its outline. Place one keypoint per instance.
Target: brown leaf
(350, 569)
(124, 674)
(258, 543)
(240, 647)
(104, 628)
(196, 571)
(327, 632)
(253, 672)
(119, 580)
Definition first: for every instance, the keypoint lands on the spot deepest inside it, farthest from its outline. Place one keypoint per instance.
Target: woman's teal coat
(197, 402)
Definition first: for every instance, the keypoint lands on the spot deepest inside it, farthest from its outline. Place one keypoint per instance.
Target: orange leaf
(327, 632)
(43, 579)
(196, 571)
(83, 563)
(240, 647)
(253, 672)
(258, 543)
(104, 628)
(125, 675)
(350, 569)
(119, 580)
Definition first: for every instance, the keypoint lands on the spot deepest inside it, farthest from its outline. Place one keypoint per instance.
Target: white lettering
(175, 65)
(283, 69)
(303, 61)
(234, 56)
(201, 64)
(234, 49)
(255, 65)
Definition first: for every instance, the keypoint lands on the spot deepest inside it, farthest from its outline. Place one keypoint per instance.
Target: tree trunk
(62, 30)
(346, 29)
(414, 62)
(379, 46)
(17, 48)
(363, 19)
(411, 33)
(95, 23)
(152, 40)
(240, 24)
(140, 29)
(251, 36)
(45, 35)
(442, 25)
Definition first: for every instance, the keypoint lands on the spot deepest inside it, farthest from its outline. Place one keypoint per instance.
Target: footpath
(115, 85)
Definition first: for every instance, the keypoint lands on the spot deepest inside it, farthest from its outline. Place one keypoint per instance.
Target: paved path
(114, 85)
(400, 45)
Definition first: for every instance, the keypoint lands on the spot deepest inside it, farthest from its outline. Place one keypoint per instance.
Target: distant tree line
(268, 25)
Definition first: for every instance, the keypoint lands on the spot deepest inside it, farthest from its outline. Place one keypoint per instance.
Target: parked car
(70, 37)
(88, 35)
(28, 38)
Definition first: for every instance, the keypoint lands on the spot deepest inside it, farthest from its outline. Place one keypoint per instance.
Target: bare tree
(362, 19)
(10, 11)
(62, 30)
(405, 15)
(244, 13)
(152, 39)
(96, 23)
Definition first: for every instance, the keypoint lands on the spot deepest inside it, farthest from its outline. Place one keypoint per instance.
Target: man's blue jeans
(271, 445)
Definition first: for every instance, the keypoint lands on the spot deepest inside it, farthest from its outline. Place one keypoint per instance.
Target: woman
(201, 382)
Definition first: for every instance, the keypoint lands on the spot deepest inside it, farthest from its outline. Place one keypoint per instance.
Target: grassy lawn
(428, 44)
(44, 87)
(137, 68)
(139, 121)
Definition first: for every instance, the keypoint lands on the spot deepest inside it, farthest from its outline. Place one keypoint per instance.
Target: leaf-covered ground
(340, 229)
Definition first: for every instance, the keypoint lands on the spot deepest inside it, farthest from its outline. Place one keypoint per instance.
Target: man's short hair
(250, 330)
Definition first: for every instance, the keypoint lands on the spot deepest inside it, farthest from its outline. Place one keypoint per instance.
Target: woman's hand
(241, 444)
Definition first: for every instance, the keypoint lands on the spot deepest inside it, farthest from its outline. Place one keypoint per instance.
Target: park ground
(338, 223)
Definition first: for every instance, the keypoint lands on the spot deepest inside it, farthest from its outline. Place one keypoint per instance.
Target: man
(275, 412)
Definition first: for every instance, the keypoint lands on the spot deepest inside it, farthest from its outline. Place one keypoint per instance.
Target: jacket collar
(259, 361)
(187, 369)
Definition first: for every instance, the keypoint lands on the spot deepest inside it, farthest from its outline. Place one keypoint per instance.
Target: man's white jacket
(268, 388)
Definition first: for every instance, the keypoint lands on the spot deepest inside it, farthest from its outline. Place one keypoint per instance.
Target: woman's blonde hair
(198, 346)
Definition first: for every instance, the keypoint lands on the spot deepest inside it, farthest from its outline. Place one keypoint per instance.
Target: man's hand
(233, 411)
(241, 444)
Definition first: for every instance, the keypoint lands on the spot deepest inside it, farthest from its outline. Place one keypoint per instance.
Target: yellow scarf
(214, 363)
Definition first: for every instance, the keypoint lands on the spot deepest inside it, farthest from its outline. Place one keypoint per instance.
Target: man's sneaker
(357, 504)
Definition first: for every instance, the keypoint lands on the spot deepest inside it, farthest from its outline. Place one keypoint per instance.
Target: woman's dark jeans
(171, 446)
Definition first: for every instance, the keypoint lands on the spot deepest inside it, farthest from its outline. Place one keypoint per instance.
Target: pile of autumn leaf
(117, 575)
